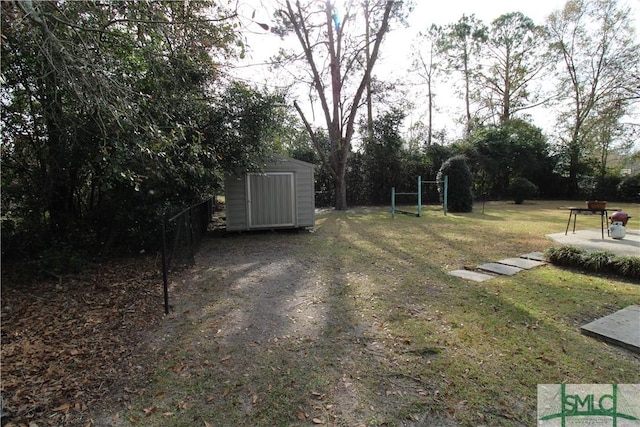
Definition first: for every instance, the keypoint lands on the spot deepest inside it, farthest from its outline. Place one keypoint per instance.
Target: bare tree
(425, 64)
(595, 40)
(339, 55)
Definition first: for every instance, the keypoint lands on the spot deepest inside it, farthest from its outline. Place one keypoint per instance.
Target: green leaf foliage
(629, 189)
(521, 189)
(460, 196)
(115, 116)
(598, 261)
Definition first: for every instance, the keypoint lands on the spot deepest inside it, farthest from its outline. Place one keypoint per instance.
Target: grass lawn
(358, 323)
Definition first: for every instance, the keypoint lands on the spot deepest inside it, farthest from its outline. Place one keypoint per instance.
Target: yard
(356, 323)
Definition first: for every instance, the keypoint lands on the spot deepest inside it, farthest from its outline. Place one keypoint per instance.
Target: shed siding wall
(236, 202)
(305, 198)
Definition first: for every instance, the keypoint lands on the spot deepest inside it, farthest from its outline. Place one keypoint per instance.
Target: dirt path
(263, 334)
(263, 298)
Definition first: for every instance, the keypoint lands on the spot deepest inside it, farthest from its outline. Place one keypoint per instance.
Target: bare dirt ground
(255, 311)
(85, 350)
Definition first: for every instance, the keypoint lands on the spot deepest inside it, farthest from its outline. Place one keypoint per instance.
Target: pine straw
(71, 343)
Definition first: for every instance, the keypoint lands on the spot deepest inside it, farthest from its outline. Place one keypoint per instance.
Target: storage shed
(282, 196)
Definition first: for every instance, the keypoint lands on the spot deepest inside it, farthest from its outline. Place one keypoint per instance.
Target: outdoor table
(603, 217)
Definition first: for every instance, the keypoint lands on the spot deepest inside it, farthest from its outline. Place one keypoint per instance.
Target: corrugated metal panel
(271, 200)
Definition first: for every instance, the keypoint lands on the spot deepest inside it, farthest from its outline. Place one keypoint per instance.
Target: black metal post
(165, 270)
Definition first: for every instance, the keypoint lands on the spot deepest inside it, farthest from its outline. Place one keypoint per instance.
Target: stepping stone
(521, 263)
(620, 328)
(536, 256)
(471, 275)
(505, 270)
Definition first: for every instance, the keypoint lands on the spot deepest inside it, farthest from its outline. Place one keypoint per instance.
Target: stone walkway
(621, 328)
(504, 267)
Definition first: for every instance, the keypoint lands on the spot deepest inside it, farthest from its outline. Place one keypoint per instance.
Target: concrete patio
(591, 240)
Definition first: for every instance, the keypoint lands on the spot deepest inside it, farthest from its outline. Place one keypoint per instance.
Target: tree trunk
(340, 184)
(506, 92)
(429, 112)
(340, 124)
(467, 101)
(574, 166)
(368, 60)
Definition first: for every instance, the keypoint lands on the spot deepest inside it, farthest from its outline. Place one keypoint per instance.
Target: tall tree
(426, 65)
(461, 42)
(333, 47)
(107, 109)
(515, 58)
(595, 41)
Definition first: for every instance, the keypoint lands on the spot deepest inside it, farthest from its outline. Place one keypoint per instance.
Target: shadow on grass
(358, 322)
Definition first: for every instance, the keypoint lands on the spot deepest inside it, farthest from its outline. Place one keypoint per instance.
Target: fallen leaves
(67, 346)
(149, 411)
(300, 414)
(546, 360)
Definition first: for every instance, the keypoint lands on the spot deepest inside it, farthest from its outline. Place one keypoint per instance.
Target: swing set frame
(418, 214)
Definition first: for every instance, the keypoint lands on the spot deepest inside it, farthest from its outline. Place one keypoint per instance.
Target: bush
(460, 197)
(629, 189)
(521, 189)
(627, 266)
(567, 256)
(600, 261)
(605, 187)
(597, 261)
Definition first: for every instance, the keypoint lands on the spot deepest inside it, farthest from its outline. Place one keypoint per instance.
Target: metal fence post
(446, 193)
(419, 196)
(393, 202)
(165, 268)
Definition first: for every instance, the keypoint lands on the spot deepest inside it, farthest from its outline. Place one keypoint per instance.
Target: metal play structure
(394, 194)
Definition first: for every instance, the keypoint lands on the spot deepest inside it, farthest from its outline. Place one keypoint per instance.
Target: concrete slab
(505, 270)
(591, 240)
(521, 263)
(536, 256)
(471, 275)
(620, 328)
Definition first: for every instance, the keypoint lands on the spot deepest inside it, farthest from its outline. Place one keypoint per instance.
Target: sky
(396, 48)
(445, 12)
(425, 13)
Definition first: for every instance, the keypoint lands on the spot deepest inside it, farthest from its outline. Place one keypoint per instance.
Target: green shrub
(600, 261)
(596, 261)
(460, 196)
(629, 189)
(521, 189)
(627, 266)
(567, 256)
(605, 187)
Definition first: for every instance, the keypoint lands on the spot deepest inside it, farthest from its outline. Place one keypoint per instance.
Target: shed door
(271, 200)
